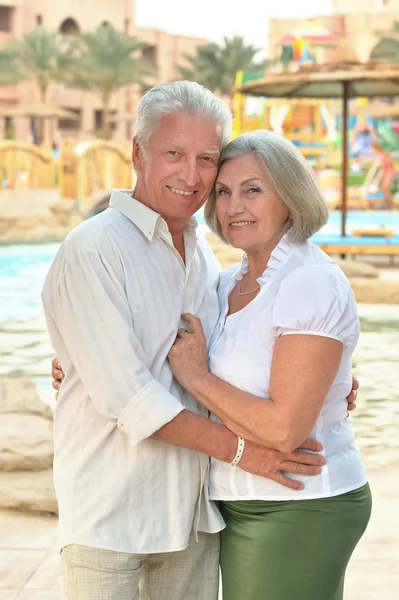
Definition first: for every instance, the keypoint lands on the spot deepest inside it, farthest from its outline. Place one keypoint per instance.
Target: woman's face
(250, 212)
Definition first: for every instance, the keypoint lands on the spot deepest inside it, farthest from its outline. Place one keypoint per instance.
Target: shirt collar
(146, 219)
(277, 258)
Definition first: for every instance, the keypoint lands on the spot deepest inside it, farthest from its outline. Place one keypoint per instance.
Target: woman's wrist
(199, 384)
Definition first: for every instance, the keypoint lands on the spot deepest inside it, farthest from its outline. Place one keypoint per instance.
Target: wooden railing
(94, 166)
(25, 166)
(79, 170)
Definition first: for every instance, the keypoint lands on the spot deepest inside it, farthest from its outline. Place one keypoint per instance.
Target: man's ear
(136, 155)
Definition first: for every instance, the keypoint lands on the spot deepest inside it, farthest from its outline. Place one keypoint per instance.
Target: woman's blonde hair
(291, 176)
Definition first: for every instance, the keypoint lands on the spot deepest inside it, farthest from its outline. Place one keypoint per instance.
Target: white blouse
(302, 291)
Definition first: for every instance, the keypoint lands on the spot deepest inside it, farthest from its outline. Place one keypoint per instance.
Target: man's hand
(57, 374)
(353, 395)
(272, 464)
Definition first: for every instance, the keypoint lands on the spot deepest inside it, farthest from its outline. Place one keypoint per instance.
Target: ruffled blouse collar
(277, 258)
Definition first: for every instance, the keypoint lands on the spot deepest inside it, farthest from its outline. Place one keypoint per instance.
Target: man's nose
(189, 172)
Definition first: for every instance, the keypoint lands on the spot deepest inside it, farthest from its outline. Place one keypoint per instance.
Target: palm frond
(215, 65)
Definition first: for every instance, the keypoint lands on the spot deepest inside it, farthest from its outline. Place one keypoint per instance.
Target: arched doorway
(69, 27)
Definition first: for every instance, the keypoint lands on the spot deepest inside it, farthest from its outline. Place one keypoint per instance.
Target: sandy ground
(30, 564)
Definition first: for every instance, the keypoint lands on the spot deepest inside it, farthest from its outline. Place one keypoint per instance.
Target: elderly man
(131, 446)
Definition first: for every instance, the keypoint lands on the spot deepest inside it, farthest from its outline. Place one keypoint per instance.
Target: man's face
(177, 169)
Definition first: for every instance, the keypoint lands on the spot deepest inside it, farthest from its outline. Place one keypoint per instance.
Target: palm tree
(215, 65)
(9, 69)
(387, 48)
(108, 61)
(41, 56)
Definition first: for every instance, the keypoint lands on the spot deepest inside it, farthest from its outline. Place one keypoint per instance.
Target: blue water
(25, 348)
(23, 267)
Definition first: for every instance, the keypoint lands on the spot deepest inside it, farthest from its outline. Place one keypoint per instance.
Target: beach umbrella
(344, 80)
(42, 110)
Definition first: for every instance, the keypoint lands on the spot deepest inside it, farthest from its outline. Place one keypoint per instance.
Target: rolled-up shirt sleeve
(94, 320)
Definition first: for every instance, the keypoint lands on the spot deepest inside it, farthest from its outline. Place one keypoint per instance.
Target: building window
(6, 13)
(69, 27)
(150, 53)
(98, 120)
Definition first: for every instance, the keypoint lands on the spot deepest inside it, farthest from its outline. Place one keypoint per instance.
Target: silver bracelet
(239, 453)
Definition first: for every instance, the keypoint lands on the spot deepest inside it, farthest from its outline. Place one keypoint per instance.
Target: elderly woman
(278, 371)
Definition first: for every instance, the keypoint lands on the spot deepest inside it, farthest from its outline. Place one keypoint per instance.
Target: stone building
(68, 16)
(357, 25)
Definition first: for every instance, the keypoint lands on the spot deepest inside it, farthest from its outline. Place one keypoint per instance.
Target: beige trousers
(95, 574)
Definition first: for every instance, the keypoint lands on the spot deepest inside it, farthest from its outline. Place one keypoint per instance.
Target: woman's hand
(57, 374)
(351, 399)
(189, 355)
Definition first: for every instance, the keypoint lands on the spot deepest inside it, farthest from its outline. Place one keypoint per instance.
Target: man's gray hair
(291, 176)
(180, 96)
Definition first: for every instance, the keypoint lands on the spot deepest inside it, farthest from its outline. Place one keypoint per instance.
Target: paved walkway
(30, 565)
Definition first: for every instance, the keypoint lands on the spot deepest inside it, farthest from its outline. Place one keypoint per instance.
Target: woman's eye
(221, 192)
(254, 190)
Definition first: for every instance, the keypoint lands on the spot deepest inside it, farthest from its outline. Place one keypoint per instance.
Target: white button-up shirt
(113, 301)
(302, 292)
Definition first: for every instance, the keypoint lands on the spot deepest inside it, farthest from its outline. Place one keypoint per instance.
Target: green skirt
(295, 550)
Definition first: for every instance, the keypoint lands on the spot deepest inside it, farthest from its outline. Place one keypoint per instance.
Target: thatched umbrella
(43, 111)
(336, 80)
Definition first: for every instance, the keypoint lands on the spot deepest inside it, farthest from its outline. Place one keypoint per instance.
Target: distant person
(386, 163)
(55, 150)
(364, 136)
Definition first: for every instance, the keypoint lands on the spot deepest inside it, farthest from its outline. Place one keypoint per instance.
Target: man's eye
(173, 152)
(207, 159)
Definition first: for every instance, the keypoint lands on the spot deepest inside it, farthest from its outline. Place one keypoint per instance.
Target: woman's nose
(235, 205)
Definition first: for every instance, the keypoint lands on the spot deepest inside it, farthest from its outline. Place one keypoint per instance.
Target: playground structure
(312, 125)
(78, 171)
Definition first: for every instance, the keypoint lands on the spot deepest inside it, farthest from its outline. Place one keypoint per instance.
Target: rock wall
(36, 216)
(26, 448)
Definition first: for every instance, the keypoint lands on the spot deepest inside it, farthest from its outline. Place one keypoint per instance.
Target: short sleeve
(314, 300)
